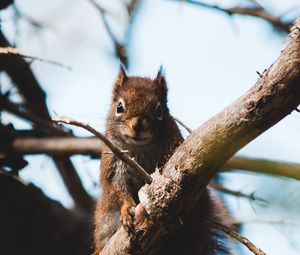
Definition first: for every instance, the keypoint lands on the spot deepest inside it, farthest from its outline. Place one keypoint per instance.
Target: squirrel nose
(138, 127)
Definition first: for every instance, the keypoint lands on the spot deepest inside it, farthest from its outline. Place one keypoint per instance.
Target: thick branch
(92, 147)
(58, 146)
(264, 166)
(35, 102)
(187, 173)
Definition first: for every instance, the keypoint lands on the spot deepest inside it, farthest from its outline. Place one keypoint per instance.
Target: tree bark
(185, 176)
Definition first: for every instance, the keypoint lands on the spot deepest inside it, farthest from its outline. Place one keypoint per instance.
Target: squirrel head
(139, 112)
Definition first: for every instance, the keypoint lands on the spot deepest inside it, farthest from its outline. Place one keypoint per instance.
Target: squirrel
(139, 123)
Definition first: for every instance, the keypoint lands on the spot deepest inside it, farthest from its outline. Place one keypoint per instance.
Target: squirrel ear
(160, 77)
(120, 81)
(160, 81)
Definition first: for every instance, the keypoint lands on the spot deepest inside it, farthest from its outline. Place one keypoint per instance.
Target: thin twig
(221, 188)
(182, 124)
(131, 6)
(29, 116)
(14, 51)
(118, 152)
(120, 49)
(243, 240)
(256, 11)
(36, 24)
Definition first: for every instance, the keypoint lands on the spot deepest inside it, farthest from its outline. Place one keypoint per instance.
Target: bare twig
(182, 124)
(20, 112)
(221, 188)
(243, 240)
(16, 52)
(256, 11)
(120, 49)
(131, 6)
(118, 152)
(36, 24)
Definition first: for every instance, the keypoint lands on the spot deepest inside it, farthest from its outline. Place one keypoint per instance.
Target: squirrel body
(139, 123)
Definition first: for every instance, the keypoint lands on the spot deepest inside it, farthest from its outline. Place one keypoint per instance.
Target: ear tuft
(161, 83)
(120, 81)
(160, 77)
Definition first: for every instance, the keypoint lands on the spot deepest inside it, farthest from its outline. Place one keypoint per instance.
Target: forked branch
(187, 173)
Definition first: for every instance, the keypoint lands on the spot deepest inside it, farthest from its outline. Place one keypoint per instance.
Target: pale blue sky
(210, 60)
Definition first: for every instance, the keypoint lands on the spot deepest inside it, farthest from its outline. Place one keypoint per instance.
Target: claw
(141, 219)
(127, 216)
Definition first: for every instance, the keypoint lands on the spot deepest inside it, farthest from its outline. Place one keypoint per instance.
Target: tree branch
(243, 240)
(120, 49)
(189, 170)
(256, 11)
(221, 188)
(58, 146)
(264, 166)
(35, 102)
(189, 130)
(92, 147)
(117, 151)
(16, 52)
(46, 125)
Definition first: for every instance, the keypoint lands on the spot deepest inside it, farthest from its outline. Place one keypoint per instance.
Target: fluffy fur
(139, 122)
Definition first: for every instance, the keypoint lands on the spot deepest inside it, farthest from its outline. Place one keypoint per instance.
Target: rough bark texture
(187, 173)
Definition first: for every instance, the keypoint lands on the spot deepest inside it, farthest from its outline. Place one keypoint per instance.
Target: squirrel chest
(139, 123)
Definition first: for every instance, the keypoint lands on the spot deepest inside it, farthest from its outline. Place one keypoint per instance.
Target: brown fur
(147, 131)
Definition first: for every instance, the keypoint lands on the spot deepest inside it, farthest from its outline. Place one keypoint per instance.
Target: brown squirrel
(140, 123)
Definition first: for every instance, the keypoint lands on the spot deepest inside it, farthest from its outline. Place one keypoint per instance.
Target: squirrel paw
(127, 215)
(141, 219)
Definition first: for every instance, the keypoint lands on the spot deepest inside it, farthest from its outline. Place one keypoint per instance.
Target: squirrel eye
(120, 107)
(158, 111)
